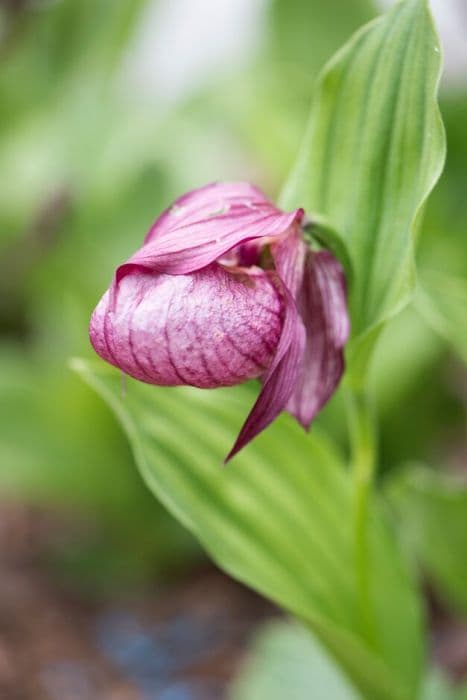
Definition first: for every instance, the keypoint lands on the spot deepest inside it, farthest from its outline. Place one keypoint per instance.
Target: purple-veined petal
(322, 303)
(217, 218)
(215, 327)
(289, 256)
(194, 246)
(279, 381)
(278, 384)
(203, 203)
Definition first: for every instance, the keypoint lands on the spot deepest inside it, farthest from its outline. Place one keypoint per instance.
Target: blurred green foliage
(68, 212)
(433, 512)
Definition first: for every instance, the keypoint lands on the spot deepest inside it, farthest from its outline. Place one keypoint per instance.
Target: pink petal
(203, 203)
(215, 219)
(322, 303)
(289, 260)
(279, 381)
(212, 328)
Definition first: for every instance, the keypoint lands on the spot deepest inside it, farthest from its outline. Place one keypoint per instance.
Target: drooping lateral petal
(322, 303)
(279, 381)
(215, 327)
(289, 256)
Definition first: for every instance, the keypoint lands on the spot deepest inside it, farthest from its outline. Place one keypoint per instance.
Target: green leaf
(286, 662)
(278, 519)
(433, 513)
(373, 152)
(442, 301)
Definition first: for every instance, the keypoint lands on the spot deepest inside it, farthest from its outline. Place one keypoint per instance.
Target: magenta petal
(322, 303)
(194, 246)
(212, 328)
(203, 203)
(279, 381)
(217, 218)
(289, 260)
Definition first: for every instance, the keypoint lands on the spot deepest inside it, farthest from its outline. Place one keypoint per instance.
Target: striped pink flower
(224, 289)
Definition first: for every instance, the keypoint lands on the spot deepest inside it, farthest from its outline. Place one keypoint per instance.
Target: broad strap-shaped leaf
(442, 301)
(278, 519)
(432, 510)
(373, 151)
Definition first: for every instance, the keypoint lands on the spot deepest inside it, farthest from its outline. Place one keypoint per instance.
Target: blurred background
(108, 111)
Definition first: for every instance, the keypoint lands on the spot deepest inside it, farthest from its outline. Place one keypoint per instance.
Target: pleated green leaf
(373, 151)
(278, 518)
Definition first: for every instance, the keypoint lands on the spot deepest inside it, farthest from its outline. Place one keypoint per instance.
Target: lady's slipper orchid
(224, 289)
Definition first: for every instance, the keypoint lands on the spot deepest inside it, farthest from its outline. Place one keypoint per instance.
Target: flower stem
(363, 447)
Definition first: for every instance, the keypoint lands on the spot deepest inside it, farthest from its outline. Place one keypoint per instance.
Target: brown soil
(182, 641)
(177, 642)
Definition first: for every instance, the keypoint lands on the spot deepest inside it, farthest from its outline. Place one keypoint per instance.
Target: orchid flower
(224, 289)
